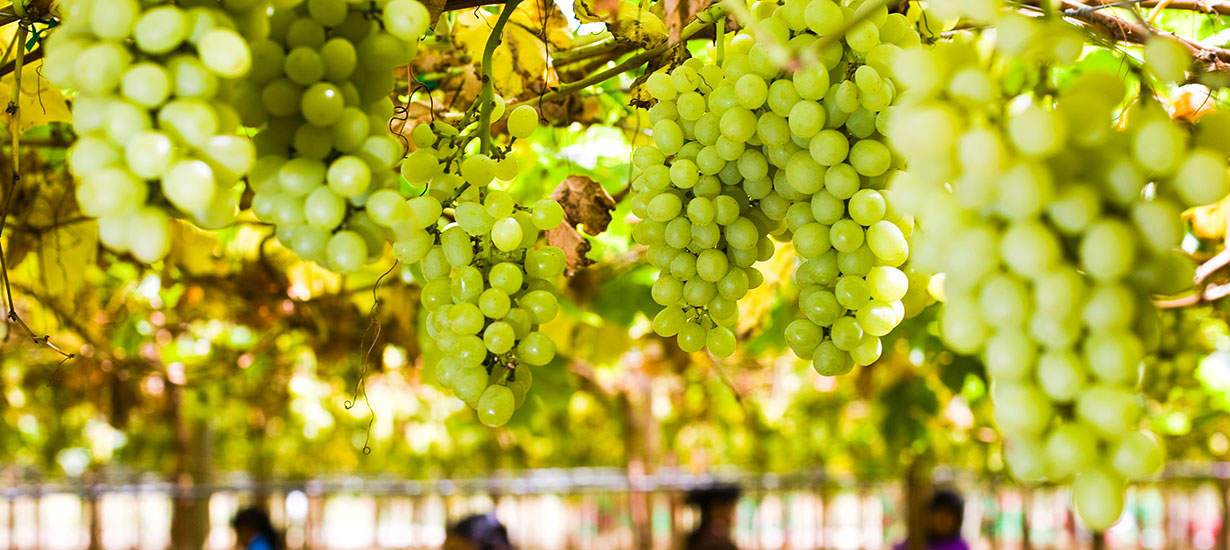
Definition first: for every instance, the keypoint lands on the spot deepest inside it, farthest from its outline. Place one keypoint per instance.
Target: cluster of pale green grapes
(1054, 227)
(319, 90)
(488, 288)
(156, 136)
(745, 149)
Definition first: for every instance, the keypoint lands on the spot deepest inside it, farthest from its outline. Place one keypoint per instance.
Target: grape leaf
(194, 250)
(630, 23)
(575, 247)
(586, 203)
(595, 11)
(39, 102)
(63, 254)
(638, 26)
(521, 65)
(545, 20)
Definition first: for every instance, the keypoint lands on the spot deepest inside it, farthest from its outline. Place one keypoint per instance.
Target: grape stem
(486, 98)
(19, 42)
(702, 21)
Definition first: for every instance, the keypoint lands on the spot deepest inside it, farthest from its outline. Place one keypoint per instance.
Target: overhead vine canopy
(739, 223)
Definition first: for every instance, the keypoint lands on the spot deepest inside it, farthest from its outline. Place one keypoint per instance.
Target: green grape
(188, 121)
(522, 122)
(803, 336)
(660, 86)
(867, 351)
(407, 20)
(191, 78)
(464, 318)
(1138, 455)
(146, 84)
(540, 304)
(506, 234)
(806, 119)
(470, 383)
(348, 176)
(387, 207)
(691, 338)
(536, 349)
(469, 349)
(467, 284)
(506, 277)
(496, 405)
(160, 29)
(225, 53)
(473, 218)
(547, 214)
(189, 185)
(720, 341)
(346, 251)
(148, 155)
(1070, 449)
(148, 236)
(322, 104)
(420, 166)
(478, 170)
(324, 209)
(1098, 497)
(829, 360)
(499, 337)
(494, 303)
(413, 247)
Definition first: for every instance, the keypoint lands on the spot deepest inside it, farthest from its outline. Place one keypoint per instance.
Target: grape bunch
(319, 92)
(487, 286)
(156, 136)
(745, 149)
(1059, 228)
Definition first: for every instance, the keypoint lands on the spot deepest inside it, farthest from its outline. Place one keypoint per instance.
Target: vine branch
(703, 20)
(487, 97)
(15, 131)
(1211, 58)
(1206, 6)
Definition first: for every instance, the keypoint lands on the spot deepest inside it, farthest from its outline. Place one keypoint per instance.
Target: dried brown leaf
(575, 247)
(585, 203)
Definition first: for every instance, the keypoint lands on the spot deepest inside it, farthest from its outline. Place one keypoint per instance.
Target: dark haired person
(717, 517)
(477, 532)
(254, 531)
(945, 513)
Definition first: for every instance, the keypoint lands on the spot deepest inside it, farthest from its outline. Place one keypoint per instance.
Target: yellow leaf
(521, 65)
(40, 103)
(194, 250)
(543, 19)
(63, 254)
(637, 25)
(594, 11)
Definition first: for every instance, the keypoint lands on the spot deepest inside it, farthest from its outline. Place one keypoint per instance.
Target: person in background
(477, 532)
(945, 513)
(717, 517)
(254, 531)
